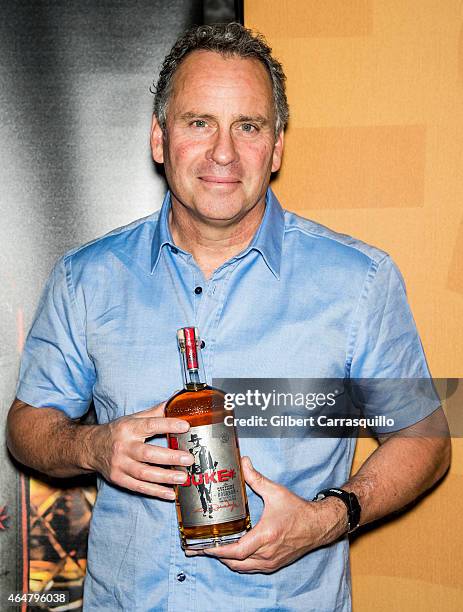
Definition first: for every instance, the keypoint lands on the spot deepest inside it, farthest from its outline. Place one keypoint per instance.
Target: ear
(156, 141)
(278, 152)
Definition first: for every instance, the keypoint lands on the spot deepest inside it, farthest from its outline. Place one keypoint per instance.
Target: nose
(223, 151)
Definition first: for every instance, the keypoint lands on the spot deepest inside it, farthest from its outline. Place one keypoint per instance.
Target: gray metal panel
(74, 156)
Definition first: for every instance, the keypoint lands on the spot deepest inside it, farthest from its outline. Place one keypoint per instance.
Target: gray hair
(230, 39)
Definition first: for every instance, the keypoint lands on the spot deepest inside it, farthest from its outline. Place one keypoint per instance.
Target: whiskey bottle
(212, 506)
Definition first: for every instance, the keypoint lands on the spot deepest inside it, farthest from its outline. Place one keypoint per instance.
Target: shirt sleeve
(388, 369)
(56, 370)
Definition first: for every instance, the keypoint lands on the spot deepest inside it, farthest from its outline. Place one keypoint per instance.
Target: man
(274, 296)
(203, 464)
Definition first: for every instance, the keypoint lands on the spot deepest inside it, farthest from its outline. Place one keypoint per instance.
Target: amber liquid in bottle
(212, 507)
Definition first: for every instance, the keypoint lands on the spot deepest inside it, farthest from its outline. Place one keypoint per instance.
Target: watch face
(354, 513)
(351, 502)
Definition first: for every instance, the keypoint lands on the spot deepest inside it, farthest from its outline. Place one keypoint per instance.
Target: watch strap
(351, 502)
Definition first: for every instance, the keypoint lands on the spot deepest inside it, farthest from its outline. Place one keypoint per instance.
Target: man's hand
(118, 451)
(288, 528)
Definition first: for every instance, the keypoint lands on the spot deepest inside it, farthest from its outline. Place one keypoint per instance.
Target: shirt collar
(268, 240)
(162, 235)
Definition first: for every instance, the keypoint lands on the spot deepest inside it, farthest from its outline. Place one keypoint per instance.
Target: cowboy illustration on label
(202, 467)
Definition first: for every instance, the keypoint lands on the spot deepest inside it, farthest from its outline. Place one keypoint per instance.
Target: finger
(193, 553)
(248, 545)
(157, 410)
(249, 566)
(154, 426)
(151, 453)
(258, 482)
(154, 411)
(146, 488)
(154, 474)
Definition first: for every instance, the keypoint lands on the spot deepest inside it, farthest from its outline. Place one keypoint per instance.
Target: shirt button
(174, 250)
(198, 290)
(181, 576)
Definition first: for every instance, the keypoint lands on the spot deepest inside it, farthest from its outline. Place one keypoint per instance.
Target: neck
(212, 245)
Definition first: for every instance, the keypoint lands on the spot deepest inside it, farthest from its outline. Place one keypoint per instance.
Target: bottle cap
(188, 339)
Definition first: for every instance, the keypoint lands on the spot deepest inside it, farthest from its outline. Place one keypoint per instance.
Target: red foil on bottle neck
(191, 351)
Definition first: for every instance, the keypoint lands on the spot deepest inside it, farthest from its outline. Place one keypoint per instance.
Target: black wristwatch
(352, 504)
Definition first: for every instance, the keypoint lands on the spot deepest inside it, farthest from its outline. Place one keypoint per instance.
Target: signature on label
(229, 505)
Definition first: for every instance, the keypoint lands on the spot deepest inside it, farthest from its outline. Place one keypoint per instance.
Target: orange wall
(375, 149)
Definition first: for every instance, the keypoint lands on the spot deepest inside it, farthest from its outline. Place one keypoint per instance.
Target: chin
(217, 211)
(219, 218)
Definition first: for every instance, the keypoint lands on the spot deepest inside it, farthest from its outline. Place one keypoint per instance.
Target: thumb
(257, 481)
(154, 411)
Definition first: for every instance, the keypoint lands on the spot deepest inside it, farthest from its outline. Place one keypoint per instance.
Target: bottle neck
(193, 380)
(194, 377)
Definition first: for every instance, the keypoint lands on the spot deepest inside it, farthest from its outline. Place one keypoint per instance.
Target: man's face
(219, 148)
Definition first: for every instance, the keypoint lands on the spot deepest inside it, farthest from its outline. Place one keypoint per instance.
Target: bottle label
(213, 492)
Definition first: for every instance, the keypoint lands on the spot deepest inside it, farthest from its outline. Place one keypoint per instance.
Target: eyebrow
(261, 120)
(254, 119)
(192, 115)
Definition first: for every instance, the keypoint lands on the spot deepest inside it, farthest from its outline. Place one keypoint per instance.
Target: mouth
(219, 180)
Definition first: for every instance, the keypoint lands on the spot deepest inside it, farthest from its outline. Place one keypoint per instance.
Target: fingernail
(185, 459)
(182, 426)
(179, 478)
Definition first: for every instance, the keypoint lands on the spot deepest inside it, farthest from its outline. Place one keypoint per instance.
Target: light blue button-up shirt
(301, 301)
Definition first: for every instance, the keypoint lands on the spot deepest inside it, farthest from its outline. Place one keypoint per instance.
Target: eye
(248, 128)
(200, 123)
